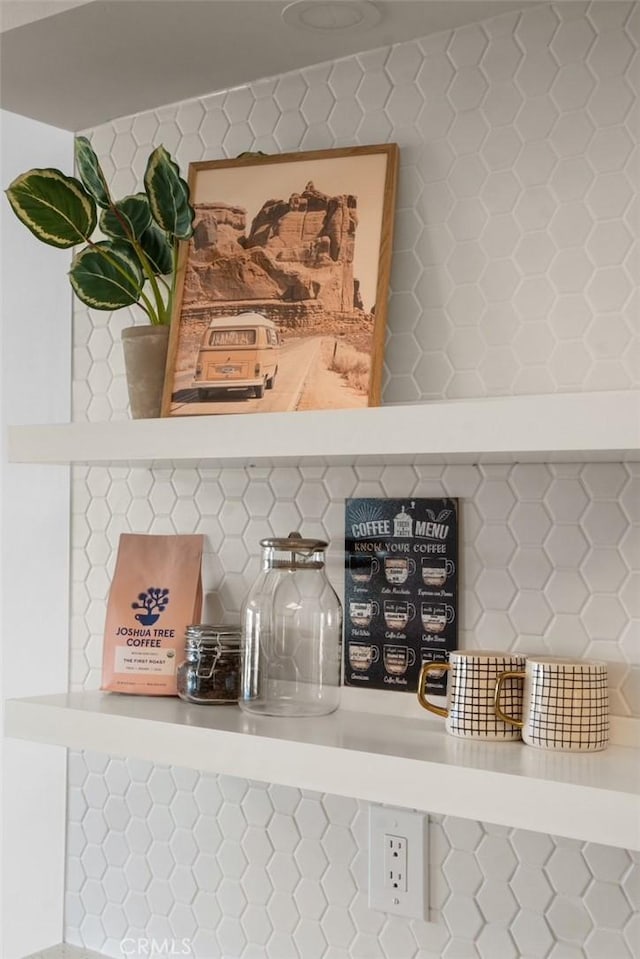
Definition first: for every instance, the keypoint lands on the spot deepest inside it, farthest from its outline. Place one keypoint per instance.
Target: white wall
(35, 349)
(512, 273)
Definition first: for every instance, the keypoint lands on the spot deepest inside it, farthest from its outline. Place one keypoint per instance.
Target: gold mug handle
(422, 696)
(510, 674)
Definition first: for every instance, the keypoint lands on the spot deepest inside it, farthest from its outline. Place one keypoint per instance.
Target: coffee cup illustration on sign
(434, 656)
(362, 613)
(397, 569)
(397, 659)
(398, 615)
(362, 656)
(362, 568)
(435, 570)
(435, 616)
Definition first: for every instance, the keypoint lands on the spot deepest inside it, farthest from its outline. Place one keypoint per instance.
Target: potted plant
(134, 258)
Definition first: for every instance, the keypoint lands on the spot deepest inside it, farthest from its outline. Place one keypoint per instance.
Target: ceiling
(78, 63)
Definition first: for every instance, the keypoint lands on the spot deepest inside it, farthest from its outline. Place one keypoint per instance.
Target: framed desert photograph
(283, 287)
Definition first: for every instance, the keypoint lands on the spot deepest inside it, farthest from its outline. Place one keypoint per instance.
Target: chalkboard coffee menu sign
(401, 595)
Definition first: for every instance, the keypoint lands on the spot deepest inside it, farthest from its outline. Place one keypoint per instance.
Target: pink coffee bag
(155, 594)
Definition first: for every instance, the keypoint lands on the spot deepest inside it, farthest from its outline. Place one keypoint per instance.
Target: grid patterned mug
(566, 704)
(470, 711)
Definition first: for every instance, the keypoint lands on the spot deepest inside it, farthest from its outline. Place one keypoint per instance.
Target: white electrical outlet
(395, 862)
(398, 861)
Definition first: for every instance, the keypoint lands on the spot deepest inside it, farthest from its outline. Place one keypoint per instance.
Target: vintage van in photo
(238, 353)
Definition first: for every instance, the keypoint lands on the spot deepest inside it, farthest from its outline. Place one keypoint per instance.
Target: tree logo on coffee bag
(154, 602)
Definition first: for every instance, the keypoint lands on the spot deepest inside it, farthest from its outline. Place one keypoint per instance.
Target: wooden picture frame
(282, 290)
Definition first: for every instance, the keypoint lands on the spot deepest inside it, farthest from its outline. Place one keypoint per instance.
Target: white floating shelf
(561, 426)
(385, 759)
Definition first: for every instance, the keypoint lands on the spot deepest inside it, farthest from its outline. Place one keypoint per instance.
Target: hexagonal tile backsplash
(550, 552)
(515, 266)
(235, 868)
(515, 271)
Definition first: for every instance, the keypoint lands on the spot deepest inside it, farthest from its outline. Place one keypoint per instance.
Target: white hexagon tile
(515, 271)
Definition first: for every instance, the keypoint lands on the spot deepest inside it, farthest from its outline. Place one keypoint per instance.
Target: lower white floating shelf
(385, 759)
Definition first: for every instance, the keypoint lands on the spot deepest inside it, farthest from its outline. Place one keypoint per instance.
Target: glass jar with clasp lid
(210, 673)
(291, 632)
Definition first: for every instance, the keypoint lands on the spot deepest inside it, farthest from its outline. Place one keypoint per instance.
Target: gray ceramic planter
(145, 358)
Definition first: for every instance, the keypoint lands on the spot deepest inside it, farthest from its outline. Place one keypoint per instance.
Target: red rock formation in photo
(298, 252)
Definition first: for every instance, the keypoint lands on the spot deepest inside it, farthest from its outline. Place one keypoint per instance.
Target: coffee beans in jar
(210, 673)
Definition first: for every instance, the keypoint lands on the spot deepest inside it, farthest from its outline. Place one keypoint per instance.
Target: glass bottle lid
(294, 543)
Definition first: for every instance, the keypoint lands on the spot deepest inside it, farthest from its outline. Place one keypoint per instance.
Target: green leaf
(55, 207)
(106, 276)
(127, 218)
(158, 249)
(90, 172)
(168, 195)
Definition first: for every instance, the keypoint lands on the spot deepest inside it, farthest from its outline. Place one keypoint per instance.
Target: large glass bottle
(291, 633)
